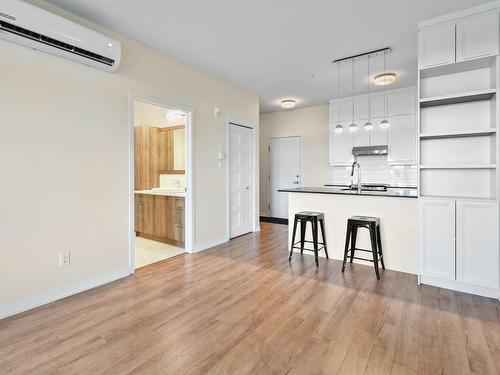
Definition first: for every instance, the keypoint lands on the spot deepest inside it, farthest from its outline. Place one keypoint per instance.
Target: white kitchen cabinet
(477, 251)
(378, 105)
(402, 103)
(437, 238)
(341, 146)
(436, 46)
(345, 107)
(477, 37)
(378, 135)
(403, 140)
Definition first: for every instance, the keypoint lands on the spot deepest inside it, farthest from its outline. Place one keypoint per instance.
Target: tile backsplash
(173, 181)
(376, 169)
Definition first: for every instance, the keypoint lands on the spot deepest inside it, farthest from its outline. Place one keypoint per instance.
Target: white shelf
(459, 134)
(491, 199)
(458, 166)
(466, 97)
(475, 64)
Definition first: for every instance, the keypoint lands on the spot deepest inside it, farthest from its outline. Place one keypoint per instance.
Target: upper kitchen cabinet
(403, 140)
(436, 46)
(477, 37)
(467, 38)
(402, 103)
(341, 146)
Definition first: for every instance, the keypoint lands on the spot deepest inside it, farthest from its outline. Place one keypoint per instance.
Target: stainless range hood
(370, 150)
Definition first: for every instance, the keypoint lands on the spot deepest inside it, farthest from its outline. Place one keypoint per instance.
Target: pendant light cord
(338, 93)
(369, 103)
(352, 91)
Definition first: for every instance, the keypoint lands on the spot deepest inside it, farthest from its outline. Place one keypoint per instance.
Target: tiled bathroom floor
(149, 251)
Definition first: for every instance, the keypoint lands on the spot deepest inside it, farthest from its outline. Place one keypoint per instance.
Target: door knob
(296, 182)
(247, 188)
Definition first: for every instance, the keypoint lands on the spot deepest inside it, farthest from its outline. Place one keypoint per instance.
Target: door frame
(189, 224)
(255, 221)
(268, 201)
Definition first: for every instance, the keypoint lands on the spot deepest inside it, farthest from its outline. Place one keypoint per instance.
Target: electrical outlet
(64, 259)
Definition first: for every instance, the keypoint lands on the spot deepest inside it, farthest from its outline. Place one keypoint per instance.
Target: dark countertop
(391, 192)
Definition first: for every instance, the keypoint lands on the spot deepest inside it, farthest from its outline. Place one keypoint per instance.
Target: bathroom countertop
(164, 192)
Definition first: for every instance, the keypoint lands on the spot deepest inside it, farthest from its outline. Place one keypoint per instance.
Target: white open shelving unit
(458, 123)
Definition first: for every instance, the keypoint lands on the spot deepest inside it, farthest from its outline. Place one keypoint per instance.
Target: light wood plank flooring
(241, 308)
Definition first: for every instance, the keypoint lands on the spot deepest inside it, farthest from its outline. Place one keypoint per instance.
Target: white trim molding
(211, 243)
(56, 294)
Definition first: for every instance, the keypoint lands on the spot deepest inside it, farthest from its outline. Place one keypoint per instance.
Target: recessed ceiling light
(384, 79)
(288, 103)
(175, 114)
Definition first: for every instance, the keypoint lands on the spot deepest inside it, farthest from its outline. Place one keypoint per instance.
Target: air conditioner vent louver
(25, 33)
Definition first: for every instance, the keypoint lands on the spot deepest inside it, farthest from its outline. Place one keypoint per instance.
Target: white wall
(64, 162)
(312, 125)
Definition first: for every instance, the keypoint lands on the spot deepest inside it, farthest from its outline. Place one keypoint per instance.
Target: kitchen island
(396, 208)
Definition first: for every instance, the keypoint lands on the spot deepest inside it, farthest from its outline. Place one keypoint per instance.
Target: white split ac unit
(36, 28)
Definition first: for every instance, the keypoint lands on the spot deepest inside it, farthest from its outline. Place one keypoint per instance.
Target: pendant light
(339, 128)
(369, 125)
(353, 127)
(384, 124)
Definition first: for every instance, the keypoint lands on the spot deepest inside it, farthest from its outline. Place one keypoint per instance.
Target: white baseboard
(460, 287)
(209, 244)
(44, 298)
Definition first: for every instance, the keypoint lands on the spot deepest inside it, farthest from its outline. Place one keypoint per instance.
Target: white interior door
(241, 179)
(284, 172)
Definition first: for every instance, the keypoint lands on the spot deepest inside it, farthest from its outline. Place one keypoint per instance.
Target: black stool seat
(373, 225)
(314, 218)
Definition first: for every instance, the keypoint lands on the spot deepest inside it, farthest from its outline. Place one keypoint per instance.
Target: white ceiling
(272, 47)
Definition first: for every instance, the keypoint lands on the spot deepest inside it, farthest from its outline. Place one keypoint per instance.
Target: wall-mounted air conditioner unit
(36, 28)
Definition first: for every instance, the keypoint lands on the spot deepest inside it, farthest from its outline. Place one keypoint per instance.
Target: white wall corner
(53, 295)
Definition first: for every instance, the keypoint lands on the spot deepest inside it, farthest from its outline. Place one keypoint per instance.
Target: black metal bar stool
(314, 218)
(373, 225)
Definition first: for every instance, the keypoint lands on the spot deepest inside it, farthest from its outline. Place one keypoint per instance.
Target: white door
(284, 173)
(477, 248)
(241, 179)
(437, 238)
(436, 46)
(477, 37)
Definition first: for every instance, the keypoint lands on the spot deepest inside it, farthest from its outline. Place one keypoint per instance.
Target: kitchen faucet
(359, 176)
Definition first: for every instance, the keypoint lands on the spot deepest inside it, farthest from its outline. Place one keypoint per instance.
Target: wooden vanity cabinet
(160, 218)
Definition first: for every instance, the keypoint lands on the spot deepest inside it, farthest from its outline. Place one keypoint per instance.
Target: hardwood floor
(241, 308)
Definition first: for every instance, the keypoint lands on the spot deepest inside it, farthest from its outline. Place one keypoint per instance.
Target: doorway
(161, 219)
(284, 172)
(241, 180)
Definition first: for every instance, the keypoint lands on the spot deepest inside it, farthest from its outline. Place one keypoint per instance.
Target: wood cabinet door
(477, 37)
(139, 213)
(403, 139)
(163, 216)
(436, 46)
(477, 243)
(436, 219)
(341, 146)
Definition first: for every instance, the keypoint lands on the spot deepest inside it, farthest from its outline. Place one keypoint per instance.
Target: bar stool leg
(373, 239)
(293, 238)
(303, 224)
(346, 248)
(315, 240)
(379, 242)
(354, 235)
(321, 223)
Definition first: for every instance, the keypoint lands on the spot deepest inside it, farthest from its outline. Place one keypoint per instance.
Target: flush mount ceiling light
(384, 79)
(288, 103)
(339, 129)
(175, 114)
